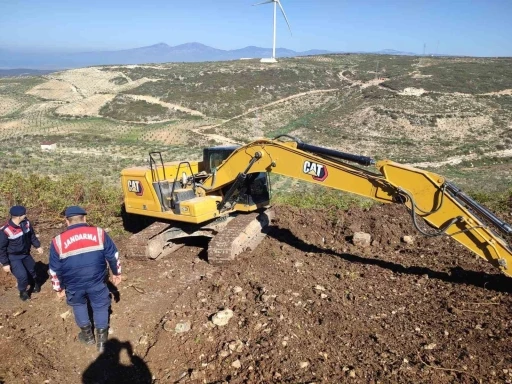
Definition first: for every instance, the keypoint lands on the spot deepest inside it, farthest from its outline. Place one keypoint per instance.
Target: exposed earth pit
(306, 306)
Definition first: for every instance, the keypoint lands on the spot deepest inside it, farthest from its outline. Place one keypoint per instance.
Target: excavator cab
(253, 191)
(213, 157)
(174, 194)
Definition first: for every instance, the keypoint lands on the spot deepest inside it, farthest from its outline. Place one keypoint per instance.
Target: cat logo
(136, 187)
(318, 171)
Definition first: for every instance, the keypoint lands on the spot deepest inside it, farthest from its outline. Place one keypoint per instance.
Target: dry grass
(89, 106)
(8, 105)
(56, 90)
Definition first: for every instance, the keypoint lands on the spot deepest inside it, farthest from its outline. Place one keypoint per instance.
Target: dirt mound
(307, 306)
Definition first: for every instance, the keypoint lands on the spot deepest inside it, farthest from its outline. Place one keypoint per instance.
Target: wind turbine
(276, 3)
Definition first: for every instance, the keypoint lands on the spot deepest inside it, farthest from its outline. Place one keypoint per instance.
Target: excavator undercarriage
(230, 235)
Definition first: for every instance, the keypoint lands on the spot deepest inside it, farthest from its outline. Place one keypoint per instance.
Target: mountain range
(157, 53)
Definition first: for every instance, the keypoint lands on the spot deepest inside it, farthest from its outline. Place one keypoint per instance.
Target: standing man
(16, 238)
(78, 268)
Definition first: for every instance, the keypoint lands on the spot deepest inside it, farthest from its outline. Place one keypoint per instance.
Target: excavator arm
(427, 196)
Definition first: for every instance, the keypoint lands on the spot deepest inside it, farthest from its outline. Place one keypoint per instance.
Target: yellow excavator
(226, 197)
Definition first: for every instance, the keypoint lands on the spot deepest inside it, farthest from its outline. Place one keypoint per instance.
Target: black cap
(18, 210)
(74, 210)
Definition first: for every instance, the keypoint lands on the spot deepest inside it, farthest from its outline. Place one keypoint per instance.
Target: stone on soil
(221, 318)
(362, 239)
(408, 239)
(182, 327)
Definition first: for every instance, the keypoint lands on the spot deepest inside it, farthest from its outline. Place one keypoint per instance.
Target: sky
(471, 27)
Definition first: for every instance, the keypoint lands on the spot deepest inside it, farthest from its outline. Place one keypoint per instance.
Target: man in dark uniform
(78, 267)
(16, 238)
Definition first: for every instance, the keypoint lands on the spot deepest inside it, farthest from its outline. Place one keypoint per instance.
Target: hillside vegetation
(449, 115)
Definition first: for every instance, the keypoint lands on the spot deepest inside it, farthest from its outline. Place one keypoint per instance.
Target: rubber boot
(24, 296)
(86, 336)
(101, 338)
(37, 287)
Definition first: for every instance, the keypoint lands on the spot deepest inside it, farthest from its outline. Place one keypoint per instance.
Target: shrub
(48, 198)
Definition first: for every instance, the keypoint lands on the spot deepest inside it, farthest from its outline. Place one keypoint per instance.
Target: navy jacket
(79, 256)
(16, 240)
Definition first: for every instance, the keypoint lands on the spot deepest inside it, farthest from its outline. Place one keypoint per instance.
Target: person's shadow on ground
(107, 368)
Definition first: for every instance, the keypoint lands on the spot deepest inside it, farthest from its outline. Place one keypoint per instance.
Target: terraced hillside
(453, 115)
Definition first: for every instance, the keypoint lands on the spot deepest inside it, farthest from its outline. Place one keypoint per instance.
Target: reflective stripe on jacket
(16, 240)
(79, 256)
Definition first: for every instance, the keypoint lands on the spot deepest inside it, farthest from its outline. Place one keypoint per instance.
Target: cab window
(216, 159)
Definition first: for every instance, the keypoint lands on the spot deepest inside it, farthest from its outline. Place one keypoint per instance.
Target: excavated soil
(308, 307)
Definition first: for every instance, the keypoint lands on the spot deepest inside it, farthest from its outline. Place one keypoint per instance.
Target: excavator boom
(428, 196)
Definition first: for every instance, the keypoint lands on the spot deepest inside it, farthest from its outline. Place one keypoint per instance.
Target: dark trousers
(99, 298)
(23, 268)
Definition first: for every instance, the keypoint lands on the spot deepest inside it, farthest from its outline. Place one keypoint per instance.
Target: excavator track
(230, 235)
(140, 244)
(243, 232)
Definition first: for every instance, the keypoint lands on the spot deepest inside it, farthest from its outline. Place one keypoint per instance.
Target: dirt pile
(307, 306)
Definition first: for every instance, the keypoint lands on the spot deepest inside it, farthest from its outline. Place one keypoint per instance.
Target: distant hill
(157, 53)
(395, 52)
(24, 72)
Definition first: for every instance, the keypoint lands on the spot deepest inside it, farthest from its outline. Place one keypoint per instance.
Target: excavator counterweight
(226, 197)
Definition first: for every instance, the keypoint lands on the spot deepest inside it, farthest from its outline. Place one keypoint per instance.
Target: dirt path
(308, 306)
(154, 100)
(363, 84)
(92, 152)
(280, 101)
(217, 138)
(506, 92)
(411, 91)
(224, 139)
(459, 159)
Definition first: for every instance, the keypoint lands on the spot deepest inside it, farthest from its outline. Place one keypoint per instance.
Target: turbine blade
(284, 14)
(264, 2)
